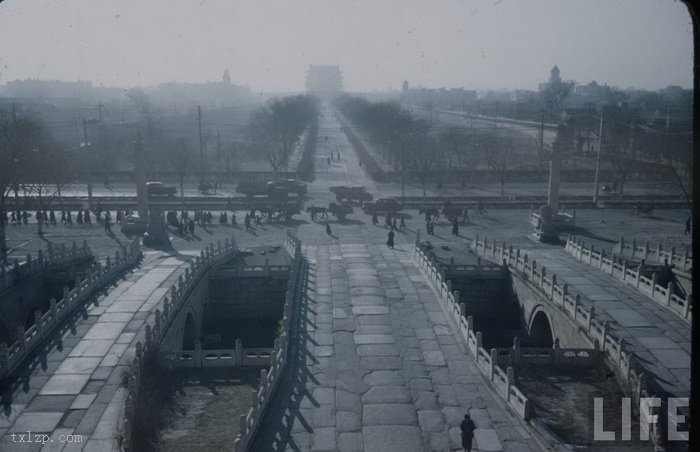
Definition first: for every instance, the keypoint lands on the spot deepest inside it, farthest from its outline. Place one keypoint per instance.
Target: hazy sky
(268, 44)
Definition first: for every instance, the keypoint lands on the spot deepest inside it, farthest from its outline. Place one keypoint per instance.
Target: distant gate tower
(324, 81)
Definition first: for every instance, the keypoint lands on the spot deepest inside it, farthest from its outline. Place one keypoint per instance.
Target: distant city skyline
(477, 45)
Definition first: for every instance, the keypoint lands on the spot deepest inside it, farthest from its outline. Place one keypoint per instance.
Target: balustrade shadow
(278, 424)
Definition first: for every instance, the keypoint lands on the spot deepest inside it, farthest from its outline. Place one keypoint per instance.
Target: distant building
(324, 81)
(554, 79)
(404, 87)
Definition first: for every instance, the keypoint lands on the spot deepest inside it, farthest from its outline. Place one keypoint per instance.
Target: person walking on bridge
(328, 230)
(390, 240)
(467, 427)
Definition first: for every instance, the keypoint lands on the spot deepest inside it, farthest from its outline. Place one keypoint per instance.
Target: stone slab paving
(78, 392)
(379, 372)
(653, 333)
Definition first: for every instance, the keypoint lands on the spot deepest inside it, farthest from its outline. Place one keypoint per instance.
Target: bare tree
(181, 160)
(499, 153)
(19, 136)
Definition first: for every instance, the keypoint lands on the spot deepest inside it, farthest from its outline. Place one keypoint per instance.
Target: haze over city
(268, 45)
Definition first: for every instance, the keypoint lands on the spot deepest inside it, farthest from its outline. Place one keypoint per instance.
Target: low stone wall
(236, 357)
(618, 270)
(503, 382)
(269, 379)
(550, 357)
(630, 375)
(44, 325)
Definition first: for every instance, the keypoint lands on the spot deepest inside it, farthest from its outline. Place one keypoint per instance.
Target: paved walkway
(77, 388)
(659, 339)
(377, 366)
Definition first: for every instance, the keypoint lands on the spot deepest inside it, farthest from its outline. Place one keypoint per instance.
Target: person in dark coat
(467, 427)
(375, 220)
(328, 230)
(390, 240)
(455, 227)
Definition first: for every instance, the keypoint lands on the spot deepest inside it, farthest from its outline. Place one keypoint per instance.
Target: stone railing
(546, 356)
(236, 357)
(657, 254)
(561, 218)
(633, 277)
(504, 382)
(53, 256)
(630, 375)
(269, 379)
(156, 329)
(45, 324)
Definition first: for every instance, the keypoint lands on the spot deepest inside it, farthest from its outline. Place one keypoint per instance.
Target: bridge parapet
(269, 379)
(619, 270)
(632, 377)
(656, 254)
(45, 324)
(53, 256)
(487, 363)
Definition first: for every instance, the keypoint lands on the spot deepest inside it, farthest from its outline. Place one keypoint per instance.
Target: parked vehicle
(357, 193)
(381, 205)
(340, 211)
(159, 189)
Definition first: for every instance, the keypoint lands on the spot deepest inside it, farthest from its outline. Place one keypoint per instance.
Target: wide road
(376, 365)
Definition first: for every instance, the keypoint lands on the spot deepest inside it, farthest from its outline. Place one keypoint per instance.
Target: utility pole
(201, 143)
(88, 160)
(597, 160)
(218, 153)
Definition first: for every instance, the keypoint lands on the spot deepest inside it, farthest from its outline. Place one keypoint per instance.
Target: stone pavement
(377, 367)
(76, 390)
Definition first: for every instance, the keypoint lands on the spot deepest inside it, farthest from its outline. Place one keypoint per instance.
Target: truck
(156, 188)
(357, 193)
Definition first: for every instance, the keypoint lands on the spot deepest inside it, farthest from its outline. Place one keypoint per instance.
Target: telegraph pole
(218, 153)
(597, 159)
(88, 160)
(201, 143)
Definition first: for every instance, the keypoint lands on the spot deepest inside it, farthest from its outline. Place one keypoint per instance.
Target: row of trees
(630, 142)
(417, 146)
(276, 128)
(30, 163)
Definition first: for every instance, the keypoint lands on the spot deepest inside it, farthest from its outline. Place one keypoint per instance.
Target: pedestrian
(38, 216)
(328, 230)
(427, 227)
(119, 216)
(45, 217)
(467, 427)
(13, 217)
(192, 227)
(375, 220)
(390, 240)
(25, 217)
(86, 217)
(179, 227)
(403, 222)
(52, 218)
(455, 227)
(432, 228)
(69, 217)
(108, 219)
(687, 226)
(63, 217)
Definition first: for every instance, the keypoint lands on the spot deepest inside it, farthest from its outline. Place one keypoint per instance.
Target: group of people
(48, 217)
(390, 221)
(186, 225)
